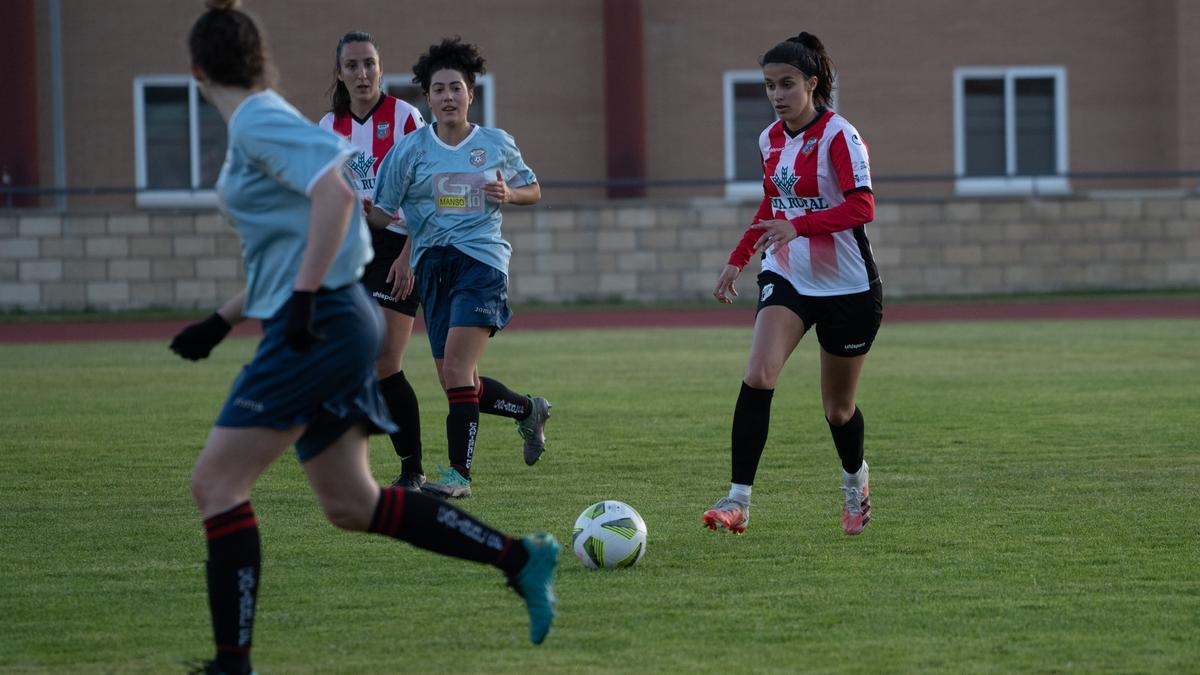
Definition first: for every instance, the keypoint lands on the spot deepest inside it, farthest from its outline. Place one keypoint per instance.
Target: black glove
(197, 340)
(298, 332)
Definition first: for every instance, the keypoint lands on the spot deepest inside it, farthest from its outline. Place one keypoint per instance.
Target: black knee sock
(848, 439)
(233, 568)
(497, 399)
(461, 426)
(751, 420)
(435, 525)
(406, 413)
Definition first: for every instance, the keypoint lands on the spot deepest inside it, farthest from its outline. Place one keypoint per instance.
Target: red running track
(1148, 308)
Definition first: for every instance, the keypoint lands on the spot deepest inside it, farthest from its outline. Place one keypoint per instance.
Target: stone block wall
(642, 251)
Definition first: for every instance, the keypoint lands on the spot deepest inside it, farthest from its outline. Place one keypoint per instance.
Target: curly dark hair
(451, 54)
(806, 53)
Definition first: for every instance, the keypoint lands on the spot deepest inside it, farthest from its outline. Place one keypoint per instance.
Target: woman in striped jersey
(817, 271)
(373, 122)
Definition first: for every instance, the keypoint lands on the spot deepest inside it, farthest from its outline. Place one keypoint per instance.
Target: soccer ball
(609, 534)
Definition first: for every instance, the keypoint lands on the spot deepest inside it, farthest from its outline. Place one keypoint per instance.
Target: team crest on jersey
(362, 165)
(478, 157)
(383, 129)
(808, 145)
(785, 179)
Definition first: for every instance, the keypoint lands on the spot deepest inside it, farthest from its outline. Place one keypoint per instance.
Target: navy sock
(751, 420)
(441, 527)
(497, 399)
(462, 423)
(233, 569)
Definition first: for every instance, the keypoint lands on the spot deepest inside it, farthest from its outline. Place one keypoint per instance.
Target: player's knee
(346, 514)
(455, 374)
(389, 363)
(761, 377)
(212, 492)
(839, 413)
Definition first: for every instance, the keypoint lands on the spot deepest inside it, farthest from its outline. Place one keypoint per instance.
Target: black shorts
(387, 245)
(846, 324)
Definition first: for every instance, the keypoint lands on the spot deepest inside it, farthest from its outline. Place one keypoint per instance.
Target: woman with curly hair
(451, 180)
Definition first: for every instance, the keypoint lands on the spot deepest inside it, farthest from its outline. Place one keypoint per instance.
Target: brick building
(1055, 143)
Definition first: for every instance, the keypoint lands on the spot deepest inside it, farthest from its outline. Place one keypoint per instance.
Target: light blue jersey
(440, 188)
(275, 157)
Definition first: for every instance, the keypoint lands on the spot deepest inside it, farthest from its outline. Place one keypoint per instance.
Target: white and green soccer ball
(609, 534)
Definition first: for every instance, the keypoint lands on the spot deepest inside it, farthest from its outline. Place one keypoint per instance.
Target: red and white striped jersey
(374, 135)
(806, 179)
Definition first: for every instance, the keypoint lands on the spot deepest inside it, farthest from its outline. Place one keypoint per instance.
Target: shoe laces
(451, 476)
(853, 499)
(730, 504)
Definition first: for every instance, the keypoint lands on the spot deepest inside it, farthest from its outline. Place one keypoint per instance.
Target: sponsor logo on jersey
(766, 292)
(362, 165)
(808, 145)
(806, 203)
(382, 129)
(478, 157)
(862, 171)
(459, 192)
(785, 179)
(855, 139)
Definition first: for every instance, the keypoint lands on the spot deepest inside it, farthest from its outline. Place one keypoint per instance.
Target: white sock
(857, 478)
(739, 493)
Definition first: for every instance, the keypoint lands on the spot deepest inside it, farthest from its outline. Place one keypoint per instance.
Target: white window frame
(487, 81)
(148, 197)
(1011, 183)
(735, 189)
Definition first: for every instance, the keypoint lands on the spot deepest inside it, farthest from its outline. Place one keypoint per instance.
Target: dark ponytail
(806, 53)
(339, 96)
(228, 47)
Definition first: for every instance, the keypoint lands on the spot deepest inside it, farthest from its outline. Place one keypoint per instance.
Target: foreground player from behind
(373, 121)
(818, 270)
(311, 382)
(451, 179)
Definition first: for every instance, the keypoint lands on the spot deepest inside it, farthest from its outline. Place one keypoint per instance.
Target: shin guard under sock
(438, 526)
(751, 420)
(462, 423)
(233, 568)
(848, 439)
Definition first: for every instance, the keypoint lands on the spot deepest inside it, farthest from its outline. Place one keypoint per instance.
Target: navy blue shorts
(329, 389)
(387, 245)
(846, 324)
(458, 290)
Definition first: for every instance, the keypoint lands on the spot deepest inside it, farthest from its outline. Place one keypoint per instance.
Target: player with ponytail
(311, 383)
(817, 271)
(373, 121)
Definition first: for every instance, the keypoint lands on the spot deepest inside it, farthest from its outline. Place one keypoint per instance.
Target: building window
(482, 111)
(747, 113)
(180, 142)
(1010, 130)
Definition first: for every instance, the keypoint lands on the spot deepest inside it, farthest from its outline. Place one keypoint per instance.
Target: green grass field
(1031, 484)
